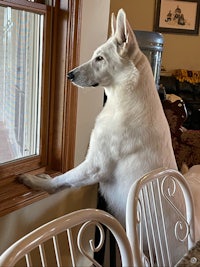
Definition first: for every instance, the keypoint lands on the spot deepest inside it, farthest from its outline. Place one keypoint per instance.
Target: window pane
(21, 36)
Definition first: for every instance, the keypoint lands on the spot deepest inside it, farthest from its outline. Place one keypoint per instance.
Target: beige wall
(180, 51)
(90, 100)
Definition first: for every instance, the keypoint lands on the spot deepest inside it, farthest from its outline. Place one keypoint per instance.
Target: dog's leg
(82, 175)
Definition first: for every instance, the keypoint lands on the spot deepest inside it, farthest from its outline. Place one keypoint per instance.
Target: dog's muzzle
(70, 76)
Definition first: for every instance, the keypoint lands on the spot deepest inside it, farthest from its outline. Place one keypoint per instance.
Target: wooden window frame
(58, 105)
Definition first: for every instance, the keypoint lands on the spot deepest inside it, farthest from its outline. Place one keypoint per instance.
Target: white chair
(159, 216)
(47, 245)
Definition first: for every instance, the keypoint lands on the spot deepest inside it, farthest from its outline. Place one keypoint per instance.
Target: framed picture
(177, 16)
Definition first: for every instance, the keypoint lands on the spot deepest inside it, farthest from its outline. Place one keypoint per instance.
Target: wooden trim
(64, 94)
(71, 95)
(20, 166)
(14, 196)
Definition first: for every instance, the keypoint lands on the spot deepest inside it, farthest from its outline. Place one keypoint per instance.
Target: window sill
(14, 196)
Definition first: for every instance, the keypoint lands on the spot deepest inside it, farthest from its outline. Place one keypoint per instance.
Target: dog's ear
(113, 24)
(126, 40)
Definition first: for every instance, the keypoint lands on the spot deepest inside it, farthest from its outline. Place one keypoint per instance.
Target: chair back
(160, 218)
(68, 241)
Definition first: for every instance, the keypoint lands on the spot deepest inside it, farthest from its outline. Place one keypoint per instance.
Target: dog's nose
(70, 75)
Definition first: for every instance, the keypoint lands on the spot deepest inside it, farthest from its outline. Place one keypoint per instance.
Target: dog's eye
(99, 58)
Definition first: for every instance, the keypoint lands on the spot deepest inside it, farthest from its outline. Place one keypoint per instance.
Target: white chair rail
(77, 241)
(160, 218)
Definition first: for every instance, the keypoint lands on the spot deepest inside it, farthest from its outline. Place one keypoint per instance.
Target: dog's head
(112, 62)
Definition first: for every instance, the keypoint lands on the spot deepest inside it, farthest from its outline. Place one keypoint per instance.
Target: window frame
(58, 103)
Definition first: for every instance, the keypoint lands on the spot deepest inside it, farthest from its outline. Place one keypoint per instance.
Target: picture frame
(177, 16)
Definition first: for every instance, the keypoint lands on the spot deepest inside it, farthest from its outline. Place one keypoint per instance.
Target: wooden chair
(159, 217)
(66, 240)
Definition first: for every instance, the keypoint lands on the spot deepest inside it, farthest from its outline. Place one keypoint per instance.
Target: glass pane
(21, 36)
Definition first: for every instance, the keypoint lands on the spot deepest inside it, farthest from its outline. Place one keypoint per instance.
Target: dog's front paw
(40, 182)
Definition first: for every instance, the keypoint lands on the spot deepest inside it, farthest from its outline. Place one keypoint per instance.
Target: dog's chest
(114, 133)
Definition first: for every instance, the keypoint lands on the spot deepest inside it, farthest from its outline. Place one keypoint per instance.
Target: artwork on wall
(177, 16)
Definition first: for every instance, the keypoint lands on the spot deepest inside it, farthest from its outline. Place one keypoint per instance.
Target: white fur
(131, 135)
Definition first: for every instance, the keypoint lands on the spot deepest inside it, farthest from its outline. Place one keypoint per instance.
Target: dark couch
(186, 143)
(190, 93)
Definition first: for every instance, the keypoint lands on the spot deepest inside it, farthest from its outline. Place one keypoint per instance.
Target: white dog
(131, 135)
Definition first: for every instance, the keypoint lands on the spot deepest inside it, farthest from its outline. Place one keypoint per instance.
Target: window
(21, 49)
(37, 103)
